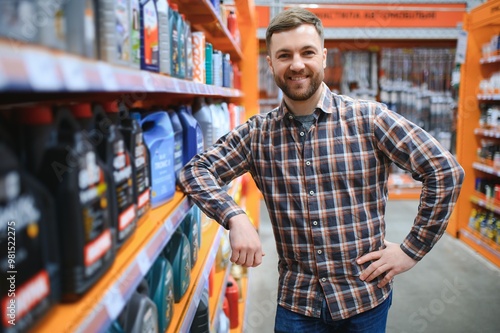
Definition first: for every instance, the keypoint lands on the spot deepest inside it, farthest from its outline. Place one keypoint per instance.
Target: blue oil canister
(30, 280)
(178, 252)
(178, 141)
(72, 172)
(192, 134)
(161, 290)
(159, 138)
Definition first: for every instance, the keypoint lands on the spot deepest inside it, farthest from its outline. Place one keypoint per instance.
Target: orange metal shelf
(486, 247)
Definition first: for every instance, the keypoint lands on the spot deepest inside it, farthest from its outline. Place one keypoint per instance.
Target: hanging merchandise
(193, 142)
(198, 41)
(173, 18)
(30, 277)
(140, 313)
(162, 8)
(80, 23)
(72, 172)
(114, 31)
(178, 253)
(135, 33)
(178, 141)
(159, 137)
(161, 290)
(149, 36)
(134, 141)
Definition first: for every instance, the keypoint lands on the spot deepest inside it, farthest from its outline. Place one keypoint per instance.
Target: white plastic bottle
(80, 23)
(162, 8)
(52, 32)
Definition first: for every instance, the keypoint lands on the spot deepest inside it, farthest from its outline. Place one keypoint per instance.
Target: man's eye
(282, 56)
(309, 53)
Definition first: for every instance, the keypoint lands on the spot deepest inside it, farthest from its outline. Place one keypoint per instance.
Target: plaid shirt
(326, 189)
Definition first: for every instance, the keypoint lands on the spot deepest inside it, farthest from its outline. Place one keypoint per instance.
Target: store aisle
(451, 290)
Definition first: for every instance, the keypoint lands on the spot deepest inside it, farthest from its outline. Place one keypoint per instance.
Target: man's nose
(297, 63)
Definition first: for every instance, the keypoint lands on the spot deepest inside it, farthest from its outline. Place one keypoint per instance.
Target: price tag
(42, 71)
(147, 81)
(169, 227)
(74, 74)
(113, 301)
(107, 75)
(143, 262)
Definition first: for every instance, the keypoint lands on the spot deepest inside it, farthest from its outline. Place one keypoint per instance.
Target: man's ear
(270, 63)
(325, 52)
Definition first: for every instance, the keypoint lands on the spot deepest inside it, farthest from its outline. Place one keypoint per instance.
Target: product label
(135, 31)
(97, 248)
(26, 297)
(150, 34)
(122, 173)
(122, 30)
(143, 199)
(149, 323)
(198, 39)
(174, 46)
(199, 140)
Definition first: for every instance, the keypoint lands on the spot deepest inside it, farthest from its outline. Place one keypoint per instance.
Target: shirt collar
(324, 104)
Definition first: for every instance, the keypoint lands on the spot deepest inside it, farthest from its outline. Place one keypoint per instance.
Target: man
(322, 162)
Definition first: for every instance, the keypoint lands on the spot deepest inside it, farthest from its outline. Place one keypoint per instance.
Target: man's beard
(293, 94)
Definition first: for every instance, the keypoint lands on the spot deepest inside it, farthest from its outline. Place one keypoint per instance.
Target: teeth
(297, 78)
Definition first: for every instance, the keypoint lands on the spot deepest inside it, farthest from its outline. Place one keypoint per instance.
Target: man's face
(297, 60)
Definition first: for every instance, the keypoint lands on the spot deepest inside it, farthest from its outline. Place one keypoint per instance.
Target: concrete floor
(452, 289)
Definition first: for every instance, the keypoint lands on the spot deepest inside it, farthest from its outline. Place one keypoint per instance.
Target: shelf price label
(107, 75)
(113, 301)
(74, 74)
(43, 74)
(144, 262)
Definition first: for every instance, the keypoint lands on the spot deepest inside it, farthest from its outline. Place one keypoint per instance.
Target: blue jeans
(371, 321)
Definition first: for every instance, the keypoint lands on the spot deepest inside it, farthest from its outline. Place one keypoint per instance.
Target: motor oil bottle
(111, 150)
(164, 36)
(209, 78)
(201, 320)
(178, 253)
(16, 20)
(173, 17)
(30, 277)
(182, 45)
(161, 290)
(159, 138)
(190, 229)
(189, 49)
(178, 141)
(113, 21)
(53, 33)
(193, 142)
(72, 172)
(149, 36)
(134, 140)
(197, 218)
(209, 120)
(135, 33)
(232, 295)
(80, 22)
(140, 313)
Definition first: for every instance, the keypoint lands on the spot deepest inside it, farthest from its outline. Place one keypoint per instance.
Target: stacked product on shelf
(478, 206)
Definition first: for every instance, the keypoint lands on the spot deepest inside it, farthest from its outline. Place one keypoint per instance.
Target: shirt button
(319, 251)
(311, 192)
(323, 279)
(315, 222)
(301, 133)
(308, 163)
(290, 117)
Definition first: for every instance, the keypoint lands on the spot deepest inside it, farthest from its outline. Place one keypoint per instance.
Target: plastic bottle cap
(110, 107)
(37, 115)
(83, 110)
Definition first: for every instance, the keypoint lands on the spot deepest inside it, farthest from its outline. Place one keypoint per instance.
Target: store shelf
(483, 245)
(104, 302)
(219, 293)
(480, 200)
(490, 60)
(489, 98)
(185, 310)
(35, 68)
(403, 187)
(489, 133)
(486, 169)
(203, 17)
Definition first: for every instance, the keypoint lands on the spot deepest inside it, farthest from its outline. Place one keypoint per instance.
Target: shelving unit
(481, 24)
(32, 74)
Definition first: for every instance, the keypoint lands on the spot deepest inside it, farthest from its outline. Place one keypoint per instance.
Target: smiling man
(322, 163)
